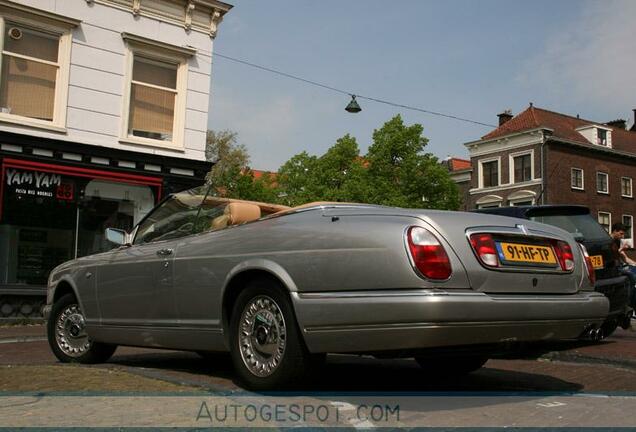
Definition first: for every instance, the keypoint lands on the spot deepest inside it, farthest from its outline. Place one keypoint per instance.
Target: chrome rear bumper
(412, 319)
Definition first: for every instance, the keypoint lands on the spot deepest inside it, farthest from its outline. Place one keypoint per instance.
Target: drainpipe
(543, 163)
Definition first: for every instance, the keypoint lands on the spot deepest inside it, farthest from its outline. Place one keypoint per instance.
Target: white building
(103, 110)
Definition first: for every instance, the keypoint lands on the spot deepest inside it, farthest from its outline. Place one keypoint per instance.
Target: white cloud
(591, 61)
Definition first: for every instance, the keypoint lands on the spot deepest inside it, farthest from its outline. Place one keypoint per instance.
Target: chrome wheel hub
(262, 336)
(70, 332)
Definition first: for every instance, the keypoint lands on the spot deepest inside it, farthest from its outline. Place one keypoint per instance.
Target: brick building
(545, 157)
(460, 171)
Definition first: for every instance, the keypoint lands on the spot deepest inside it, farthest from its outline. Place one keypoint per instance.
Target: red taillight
(564, 255)
(428, 254)
(484, 247)
(591, 274)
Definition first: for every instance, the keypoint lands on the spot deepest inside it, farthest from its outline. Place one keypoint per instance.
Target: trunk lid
(519, 236)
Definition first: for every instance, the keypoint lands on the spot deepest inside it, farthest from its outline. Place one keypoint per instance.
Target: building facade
(544, 157)
(103, 111)
(460, 171)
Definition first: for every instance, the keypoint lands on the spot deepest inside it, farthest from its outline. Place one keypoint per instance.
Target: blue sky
(472, 59)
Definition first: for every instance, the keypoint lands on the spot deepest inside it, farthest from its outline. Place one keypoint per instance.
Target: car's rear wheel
(266, 347)
(66, 333)
(608, 327)
(451, 365)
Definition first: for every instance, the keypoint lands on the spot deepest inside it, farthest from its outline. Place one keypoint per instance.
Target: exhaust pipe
(594, 334)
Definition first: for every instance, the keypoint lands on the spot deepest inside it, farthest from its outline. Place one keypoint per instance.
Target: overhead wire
(356, 95)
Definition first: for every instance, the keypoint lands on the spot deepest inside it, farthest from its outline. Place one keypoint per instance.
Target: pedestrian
(629, 265)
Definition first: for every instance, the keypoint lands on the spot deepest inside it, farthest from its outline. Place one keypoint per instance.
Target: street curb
(20, 339)
(587, 359)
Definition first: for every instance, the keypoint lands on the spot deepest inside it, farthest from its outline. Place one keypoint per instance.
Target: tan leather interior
(242, 212)
(236, 213)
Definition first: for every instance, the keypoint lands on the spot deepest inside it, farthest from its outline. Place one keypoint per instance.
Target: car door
(135, 284)
(197, 280)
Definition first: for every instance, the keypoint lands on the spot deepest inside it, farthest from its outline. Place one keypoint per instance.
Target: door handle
(164, 252)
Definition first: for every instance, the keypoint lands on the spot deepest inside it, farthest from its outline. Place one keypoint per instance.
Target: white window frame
(47, 23)
(481, 162)
(511, 165)
(631, 227)
(582, 178)
(137, 45)
(606, 182)
(609, 215)
(631, 187)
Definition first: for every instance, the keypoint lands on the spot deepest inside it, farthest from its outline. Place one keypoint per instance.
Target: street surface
(572, 379)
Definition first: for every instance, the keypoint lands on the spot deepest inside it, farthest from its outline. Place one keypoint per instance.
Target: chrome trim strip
(374, 294)
(468, 324)
(154, 327)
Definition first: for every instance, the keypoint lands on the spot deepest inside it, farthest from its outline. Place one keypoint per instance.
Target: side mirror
(117, 236)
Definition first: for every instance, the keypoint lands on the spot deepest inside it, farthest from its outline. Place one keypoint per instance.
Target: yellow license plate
(597, 261)
(524, 253)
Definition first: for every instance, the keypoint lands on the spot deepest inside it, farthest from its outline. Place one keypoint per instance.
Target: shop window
(34, 76)
(48, 218)
(38, 225)
(154, 111)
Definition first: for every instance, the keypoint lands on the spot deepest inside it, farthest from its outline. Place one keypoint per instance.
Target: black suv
(601, 248)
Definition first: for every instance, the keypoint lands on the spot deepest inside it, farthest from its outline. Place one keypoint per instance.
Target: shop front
(54, 211)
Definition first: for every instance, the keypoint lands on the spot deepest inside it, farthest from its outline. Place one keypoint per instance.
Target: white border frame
(481, 162)
(164, 53)
(609, 214)
(511, 165)
(631, 227)
(607, 183)
(572, 169)
(631, 187)
(64, 31)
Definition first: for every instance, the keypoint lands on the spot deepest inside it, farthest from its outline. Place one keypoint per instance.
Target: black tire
(451, 365)
(608, 327)
(626, 320)
(89, 352)
(291, 367)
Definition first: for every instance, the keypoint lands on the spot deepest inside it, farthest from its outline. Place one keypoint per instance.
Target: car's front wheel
(67, 335)
(451, 365)
(266, 347)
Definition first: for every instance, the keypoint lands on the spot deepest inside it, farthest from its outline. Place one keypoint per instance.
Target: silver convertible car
(280, 287)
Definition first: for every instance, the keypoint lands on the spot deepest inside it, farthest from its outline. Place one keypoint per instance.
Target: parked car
(279, 287)
(600, 247)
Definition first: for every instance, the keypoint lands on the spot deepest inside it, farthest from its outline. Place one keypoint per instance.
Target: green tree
(401, 174)
(396, 171)
(297, 180)
(231, 175)
(229, 157)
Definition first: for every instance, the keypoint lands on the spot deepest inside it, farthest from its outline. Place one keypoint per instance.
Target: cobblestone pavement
(587, 384)
(607, 366)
